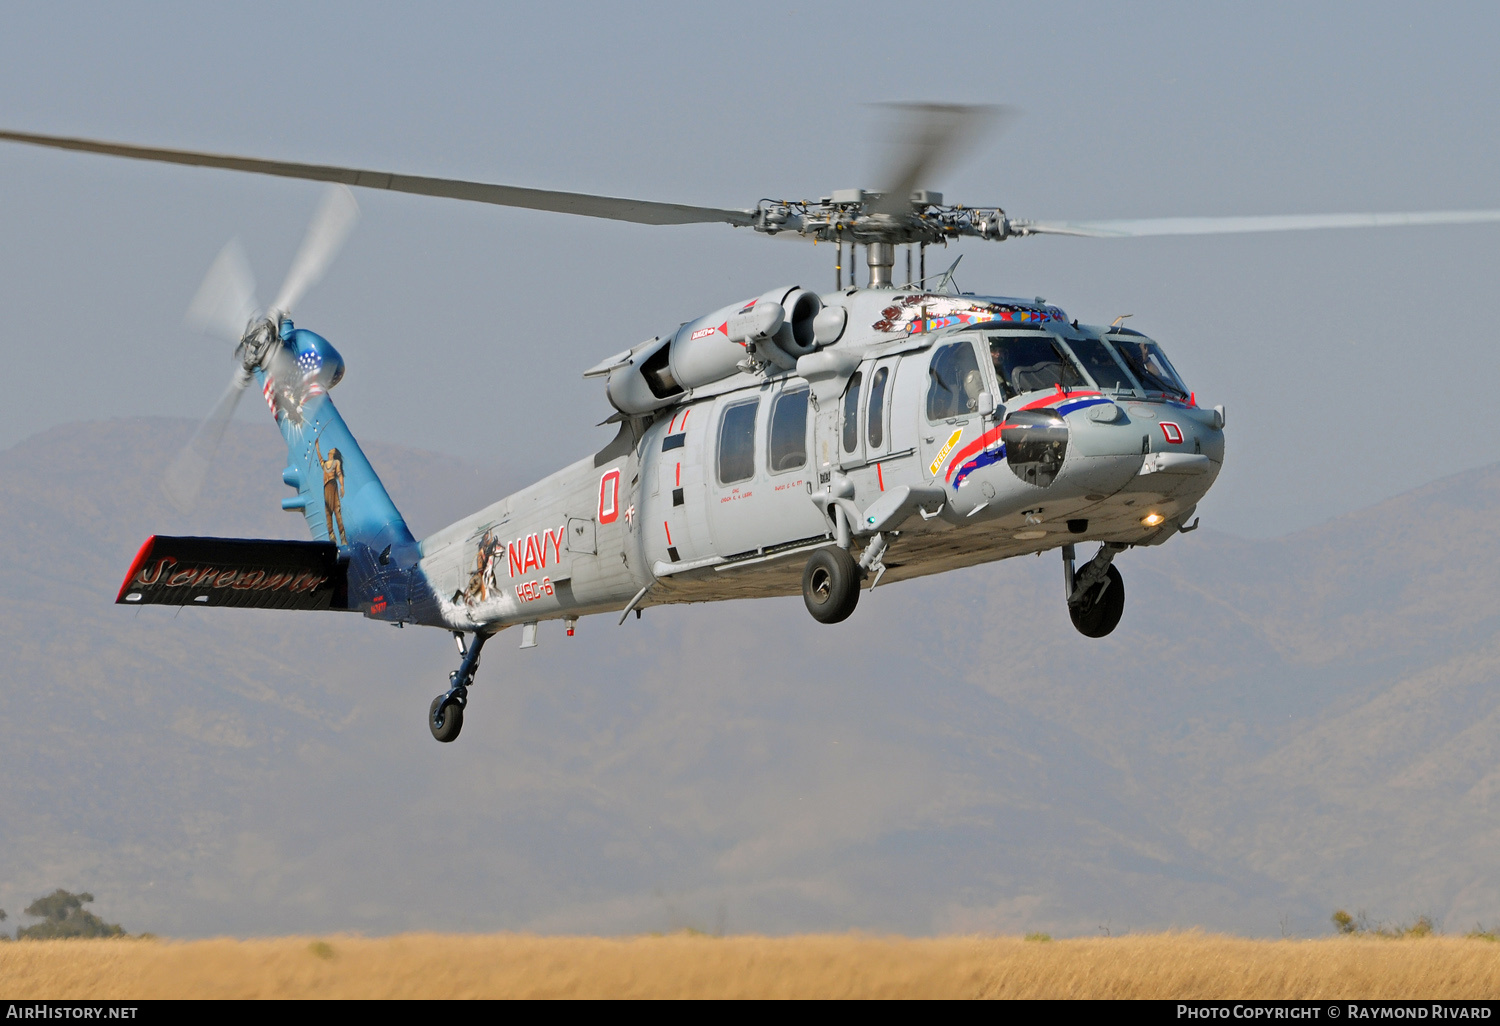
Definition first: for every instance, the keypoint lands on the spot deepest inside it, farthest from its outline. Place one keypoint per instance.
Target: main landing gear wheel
(830, 585)
(445, 721)
(1098, 612)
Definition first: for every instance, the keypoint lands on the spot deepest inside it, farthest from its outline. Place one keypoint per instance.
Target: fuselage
(966, 429)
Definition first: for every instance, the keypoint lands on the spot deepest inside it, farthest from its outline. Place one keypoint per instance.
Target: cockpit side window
(955, 383)
(1101, 365)
(1030, 363)
(1149, 364)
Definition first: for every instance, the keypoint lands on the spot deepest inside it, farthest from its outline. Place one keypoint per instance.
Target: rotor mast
(880, 257)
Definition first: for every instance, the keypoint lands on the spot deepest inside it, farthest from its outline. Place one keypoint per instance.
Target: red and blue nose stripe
(1068, 402)
(961, 466)
(978, 454)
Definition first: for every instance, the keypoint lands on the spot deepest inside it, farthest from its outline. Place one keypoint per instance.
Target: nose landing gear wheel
(1101, 607)
(830, 585)
(445, 721)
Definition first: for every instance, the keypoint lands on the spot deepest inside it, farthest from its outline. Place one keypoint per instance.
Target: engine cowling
(798, 334)
(776, 327)
(644, 382)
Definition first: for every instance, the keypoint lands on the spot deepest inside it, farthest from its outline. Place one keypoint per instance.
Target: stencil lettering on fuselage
(944, 451)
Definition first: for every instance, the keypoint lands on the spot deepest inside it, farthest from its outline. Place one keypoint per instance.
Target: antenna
(947, 279)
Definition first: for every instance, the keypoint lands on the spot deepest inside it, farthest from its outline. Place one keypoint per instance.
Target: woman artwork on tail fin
(333, 492)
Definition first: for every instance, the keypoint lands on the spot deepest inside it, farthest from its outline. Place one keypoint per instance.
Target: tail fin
(337, 490)
(362, 557)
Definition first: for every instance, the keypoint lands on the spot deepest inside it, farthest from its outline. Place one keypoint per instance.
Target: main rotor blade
(1236, 225)
(638, 211)
(330, 226)
(926, 138)
(226, 300)
(183, 480)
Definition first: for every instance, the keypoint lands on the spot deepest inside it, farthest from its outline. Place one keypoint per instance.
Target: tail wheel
(830, 585)
(1100, 609)
(445, 721)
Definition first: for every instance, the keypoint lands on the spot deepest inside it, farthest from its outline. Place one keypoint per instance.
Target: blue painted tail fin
(372, 564)
(337, 490)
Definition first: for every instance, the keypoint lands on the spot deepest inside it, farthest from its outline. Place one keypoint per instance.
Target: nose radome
(1092, 435)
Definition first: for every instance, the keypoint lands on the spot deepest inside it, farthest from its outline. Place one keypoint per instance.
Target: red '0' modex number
(609, 496)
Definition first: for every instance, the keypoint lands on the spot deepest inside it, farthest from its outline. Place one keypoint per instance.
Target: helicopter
(791, 442)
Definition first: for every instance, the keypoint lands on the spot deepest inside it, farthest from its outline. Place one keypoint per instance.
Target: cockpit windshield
(1149, 364)
(1029, 363)
(1101, 365)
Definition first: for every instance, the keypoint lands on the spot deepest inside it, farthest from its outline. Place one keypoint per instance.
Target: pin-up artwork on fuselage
(505, 574)
(482, 580)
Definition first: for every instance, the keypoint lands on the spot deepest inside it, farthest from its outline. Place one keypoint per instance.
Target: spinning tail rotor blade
(1238, 225)
(226, 300)
(225, 305)
(927, 138)
(330, 226)
(183, 480)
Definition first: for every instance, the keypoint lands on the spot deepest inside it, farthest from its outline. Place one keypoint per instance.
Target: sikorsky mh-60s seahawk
(794, 440)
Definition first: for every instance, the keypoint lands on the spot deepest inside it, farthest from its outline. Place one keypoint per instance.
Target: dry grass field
(1181, 965)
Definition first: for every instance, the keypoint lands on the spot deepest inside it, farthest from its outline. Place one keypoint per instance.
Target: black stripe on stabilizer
(243, 572)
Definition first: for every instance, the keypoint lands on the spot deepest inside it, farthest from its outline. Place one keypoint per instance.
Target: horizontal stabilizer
(242, 572)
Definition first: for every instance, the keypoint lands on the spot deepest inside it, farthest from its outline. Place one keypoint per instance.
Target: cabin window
(955, 382)
(1149, 364)
(875, 416)
(1101, 365)
(737, 443)
(851, 414)
(789, 431)
(1031, 363)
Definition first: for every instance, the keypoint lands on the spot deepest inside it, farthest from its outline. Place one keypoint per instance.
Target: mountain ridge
(1278, 727)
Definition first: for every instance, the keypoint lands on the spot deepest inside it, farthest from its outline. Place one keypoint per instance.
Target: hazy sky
(465, 327)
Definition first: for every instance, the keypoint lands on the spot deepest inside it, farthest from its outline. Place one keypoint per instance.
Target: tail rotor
(225, 303)
(326, 234)
(226, 307)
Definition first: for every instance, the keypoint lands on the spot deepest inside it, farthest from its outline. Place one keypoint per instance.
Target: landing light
(1152, 519)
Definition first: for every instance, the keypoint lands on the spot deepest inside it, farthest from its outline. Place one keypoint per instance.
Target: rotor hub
(257, 343)
(848, 216)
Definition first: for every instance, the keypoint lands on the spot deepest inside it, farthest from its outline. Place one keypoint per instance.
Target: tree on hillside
(3, 934)
(63, 916)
